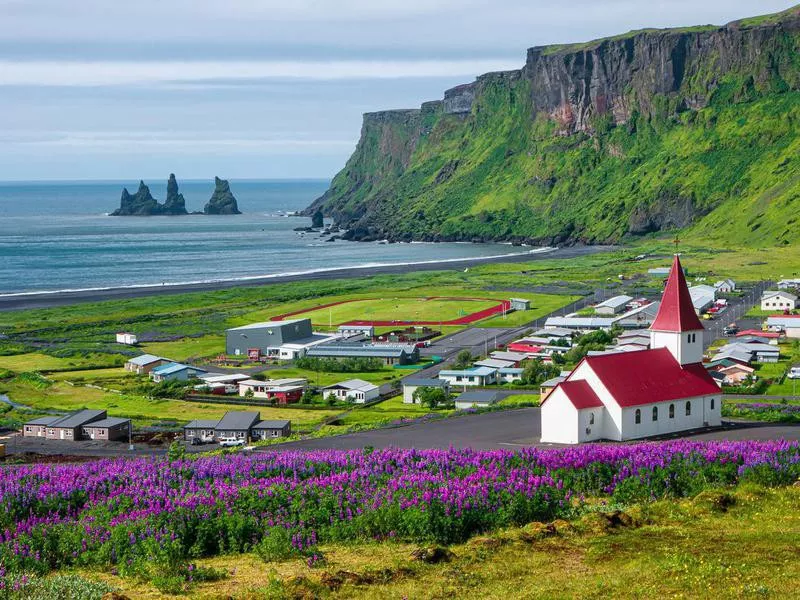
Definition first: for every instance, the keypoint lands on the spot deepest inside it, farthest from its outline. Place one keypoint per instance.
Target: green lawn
(188, 347)
(389, 410)
(521, 398)
(36, 361)
(541, 305)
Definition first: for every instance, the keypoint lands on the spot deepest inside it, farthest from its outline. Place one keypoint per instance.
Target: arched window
(655, 413)
(591, 417)
(688, 408)
(638, 416)
(712, 404)
(671, 411)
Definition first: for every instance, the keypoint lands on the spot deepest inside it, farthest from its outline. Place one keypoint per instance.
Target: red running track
(504, 305)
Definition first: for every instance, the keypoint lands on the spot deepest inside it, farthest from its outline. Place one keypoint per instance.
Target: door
(62, 432)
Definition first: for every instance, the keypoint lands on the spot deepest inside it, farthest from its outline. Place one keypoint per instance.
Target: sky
(102, 89)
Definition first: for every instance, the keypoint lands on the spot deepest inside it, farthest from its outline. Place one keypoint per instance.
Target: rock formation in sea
(142, 203)
(317, 220)
(222, 201)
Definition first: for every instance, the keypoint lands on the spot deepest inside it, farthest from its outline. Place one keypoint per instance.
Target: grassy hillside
(714, 153)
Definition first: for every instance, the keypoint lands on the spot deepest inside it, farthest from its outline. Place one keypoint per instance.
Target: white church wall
(559, 419)
(701, 415)
(687, 347)
(589, 431)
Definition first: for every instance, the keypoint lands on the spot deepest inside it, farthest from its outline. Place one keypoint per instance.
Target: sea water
(58, 236)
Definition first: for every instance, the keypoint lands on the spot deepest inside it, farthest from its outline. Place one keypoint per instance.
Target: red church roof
(580, 394)
(676, 313)
(649, 376)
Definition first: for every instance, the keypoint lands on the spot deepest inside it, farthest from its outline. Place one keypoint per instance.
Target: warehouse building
(284, 340)
(390, 354)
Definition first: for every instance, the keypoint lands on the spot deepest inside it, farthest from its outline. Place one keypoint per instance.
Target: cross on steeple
(676, 241)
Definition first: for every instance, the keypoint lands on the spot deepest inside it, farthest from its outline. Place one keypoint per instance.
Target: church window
(688, 408)
(655, 413)
(712, 404)
(671, 411)
(591, 417)
(638, 416)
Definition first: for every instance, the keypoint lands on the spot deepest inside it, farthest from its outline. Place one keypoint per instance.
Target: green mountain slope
(655, 130)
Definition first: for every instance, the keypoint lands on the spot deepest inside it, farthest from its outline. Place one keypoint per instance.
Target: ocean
(57, 236)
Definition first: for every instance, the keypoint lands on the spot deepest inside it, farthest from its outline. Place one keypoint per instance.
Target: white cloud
(100, 73)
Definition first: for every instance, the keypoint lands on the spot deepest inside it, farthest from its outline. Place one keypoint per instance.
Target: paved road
(736, 310)
(506, 429)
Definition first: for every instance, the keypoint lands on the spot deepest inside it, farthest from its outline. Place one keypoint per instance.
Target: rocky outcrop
(571, 147)
(142, 203)
(222, 201)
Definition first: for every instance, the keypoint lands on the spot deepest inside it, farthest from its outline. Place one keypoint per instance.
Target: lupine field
(126, 515)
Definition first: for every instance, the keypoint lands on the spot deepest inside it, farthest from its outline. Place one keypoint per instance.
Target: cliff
(647, 131)
(222, 201)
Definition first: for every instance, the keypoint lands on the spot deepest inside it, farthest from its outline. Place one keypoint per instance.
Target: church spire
(676, 313)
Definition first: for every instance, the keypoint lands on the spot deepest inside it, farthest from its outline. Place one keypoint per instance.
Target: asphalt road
(736, 310)
(506, 429)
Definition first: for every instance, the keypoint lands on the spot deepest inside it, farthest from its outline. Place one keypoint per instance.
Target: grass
(36, 361)
(187, 347)
(519, 399)
(690, 548)
(324, 379)
(386, 411)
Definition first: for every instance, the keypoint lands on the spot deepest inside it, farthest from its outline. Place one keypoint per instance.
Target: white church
(632, 395)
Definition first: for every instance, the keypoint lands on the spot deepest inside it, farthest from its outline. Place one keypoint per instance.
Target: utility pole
(130, 436)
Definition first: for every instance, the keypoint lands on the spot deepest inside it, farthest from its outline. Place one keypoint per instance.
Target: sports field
(401, 310)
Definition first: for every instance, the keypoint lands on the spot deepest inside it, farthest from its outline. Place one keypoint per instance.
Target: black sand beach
(49, 300)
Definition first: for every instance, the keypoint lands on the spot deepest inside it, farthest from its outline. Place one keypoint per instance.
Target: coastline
(50, 299)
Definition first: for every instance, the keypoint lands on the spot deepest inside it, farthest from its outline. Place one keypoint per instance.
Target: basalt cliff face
(693, 128)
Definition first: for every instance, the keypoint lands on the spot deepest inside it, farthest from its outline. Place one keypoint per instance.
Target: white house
(495, 363)
(788, 284)
(411, 385)
(631, 395)
(353, 390)
(476, 399)
(778, 301)
(129, 339)
(726, 286)
(510, 374)
(476, 376)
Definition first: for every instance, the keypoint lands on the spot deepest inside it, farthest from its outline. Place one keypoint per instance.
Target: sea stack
(222, 201)
(142, 203)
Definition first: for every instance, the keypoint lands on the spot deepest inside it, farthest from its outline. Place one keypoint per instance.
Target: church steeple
(676, 326)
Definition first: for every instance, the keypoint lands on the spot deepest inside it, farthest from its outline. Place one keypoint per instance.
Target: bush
(334, 365)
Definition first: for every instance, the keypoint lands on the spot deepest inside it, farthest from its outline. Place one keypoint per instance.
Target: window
(591, 418)
(671, 411)
(688, 408)
(638, 416)
(655, 413)
(712, 404)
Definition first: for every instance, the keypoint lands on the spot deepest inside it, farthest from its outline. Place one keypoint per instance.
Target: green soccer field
(397, 309)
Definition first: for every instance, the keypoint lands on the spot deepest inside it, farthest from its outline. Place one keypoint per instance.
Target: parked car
(231, 442)
(731, 330)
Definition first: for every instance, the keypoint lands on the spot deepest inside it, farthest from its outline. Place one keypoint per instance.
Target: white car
(231, 442)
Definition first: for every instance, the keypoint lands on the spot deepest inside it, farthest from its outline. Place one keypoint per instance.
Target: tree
(463, 359)
(430, 397)
(249, 394)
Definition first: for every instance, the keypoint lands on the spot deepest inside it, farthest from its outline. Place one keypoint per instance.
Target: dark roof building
(400, 354)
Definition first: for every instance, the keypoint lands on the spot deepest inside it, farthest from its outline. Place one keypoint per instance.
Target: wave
(271, 276)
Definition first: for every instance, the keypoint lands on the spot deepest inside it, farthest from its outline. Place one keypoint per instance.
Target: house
(756, 339)
(789, 284)
(526, 346)
(236, 424)
(789, 324)
(510, 374)
(390, 354)
(281, 391)
(758, 351)
(142, 365)
(703, 297)
(476, 399)
(411, 385)
(632, 395)
(129, 339)
(738, 355)
(736, 374)
(476, 376)
(515, 357)
(200, 428)
(71, 426)
(110, 429)
(520, 304)
(349, 331)
(726, 286)
(175, 372)
(353, 390)
(580, 323)
(612, 306)
(241, 425)
(221, 384)
(265, 430)
(554, 332)
(548, 386)
(639, 317)
(773, 336)
(494, 363)
(780, 300)
(283, 340)
(37, 427)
